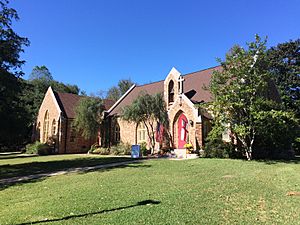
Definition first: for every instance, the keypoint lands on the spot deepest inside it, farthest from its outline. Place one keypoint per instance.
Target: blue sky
(95, 43)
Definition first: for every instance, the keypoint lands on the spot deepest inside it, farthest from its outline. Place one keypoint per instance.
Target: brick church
(183, 95)
(54, 123)
(188, 124)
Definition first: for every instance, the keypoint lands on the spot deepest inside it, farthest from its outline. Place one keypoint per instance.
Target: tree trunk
(149, 136)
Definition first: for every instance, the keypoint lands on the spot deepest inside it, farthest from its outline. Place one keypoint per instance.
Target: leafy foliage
(13, 116)
(116, 92)
(216, 148)
(241, 93)
(40, 73)
(89, 116)
(36, 87)
(147, 109)
(38, 148)
(100, 151)
(11, 44)
(284, 66)
(121, 149)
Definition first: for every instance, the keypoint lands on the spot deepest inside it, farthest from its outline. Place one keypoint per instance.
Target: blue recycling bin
(136, 151)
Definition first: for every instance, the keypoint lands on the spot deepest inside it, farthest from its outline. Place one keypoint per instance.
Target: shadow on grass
(296, 160)
(16, 156)
(36, 171)
(142, 203)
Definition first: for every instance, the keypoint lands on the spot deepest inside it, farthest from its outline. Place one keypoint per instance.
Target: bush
(100, 151)
(121, 149)
(94, 147)
(39, 148)
(219, 149)
(144, 149)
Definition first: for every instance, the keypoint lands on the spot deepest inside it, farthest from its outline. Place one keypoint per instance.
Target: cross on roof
(180, 80)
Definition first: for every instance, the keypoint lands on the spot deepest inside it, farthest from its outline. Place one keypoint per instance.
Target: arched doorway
(182, 131)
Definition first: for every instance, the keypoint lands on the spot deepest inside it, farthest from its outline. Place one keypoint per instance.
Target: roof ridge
(209, 68)
(142, 85)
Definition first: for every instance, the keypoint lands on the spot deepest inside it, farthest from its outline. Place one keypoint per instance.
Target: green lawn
(23, 165)
(200, 191)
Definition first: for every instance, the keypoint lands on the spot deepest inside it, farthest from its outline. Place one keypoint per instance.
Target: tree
(89, 116)
(284, 66)
(11, 44)
(41, 73)
(149, 110)
(240, 93)
(39, 81)
(116, 92)
(113, 93)
(124, 85)
(12, 113)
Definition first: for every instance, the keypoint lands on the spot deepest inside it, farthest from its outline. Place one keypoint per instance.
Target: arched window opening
(46, 127)
(141, 133)
(117, 134)
(38, 131)
(171, 92)
(53, 129)
(72, 133)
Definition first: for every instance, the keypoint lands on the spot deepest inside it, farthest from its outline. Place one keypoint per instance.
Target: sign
(135, 151)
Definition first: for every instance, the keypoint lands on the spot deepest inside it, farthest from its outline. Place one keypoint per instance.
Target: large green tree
(35, 88)
(12, 113)
(147, 109)
(241, 92)
(116, 92)
(89, 116)
(284, 66)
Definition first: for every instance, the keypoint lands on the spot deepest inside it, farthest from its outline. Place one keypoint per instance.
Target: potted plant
(190, 153)
(189, 148)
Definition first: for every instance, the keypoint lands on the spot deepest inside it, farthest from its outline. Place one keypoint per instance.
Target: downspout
(59, 133)
(135, 138)
(66, 135)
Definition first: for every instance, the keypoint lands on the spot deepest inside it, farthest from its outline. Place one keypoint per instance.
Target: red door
(182, 131)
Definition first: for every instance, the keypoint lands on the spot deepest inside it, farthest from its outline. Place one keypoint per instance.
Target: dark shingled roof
(193, 87)
(67, 103)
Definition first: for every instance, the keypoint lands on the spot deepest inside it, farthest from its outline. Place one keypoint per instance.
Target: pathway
(62, 172)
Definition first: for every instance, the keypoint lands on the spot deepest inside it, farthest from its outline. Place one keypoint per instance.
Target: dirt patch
(228, 176)
(293, 193)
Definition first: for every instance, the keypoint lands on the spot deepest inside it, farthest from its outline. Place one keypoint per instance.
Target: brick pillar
(199, 138)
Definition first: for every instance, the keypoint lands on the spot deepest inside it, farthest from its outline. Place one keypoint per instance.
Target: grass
(200, 191)
(24, 165)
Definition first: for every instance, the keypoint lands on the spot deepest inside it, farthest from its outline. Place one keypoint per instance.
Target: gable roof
(67, 103)
(193, 87)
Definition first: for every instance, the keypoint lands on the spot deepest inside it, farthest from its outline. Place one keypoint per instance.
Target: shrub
(219, 149)
(100, 151)
(94, 146)
(143, 148)
(121, 149)
(39, 148)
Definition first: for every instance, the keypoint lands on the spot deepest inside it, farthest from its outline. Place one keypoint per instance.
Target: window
(141, 133)
(72, 133)
(53, 129)
(171, 92)
(117, 133)
(38, 132)
(46, 127)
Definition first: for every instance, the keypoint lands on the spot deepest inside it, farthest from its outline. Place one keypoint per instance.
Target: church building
(54, 123)
(183, 95)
